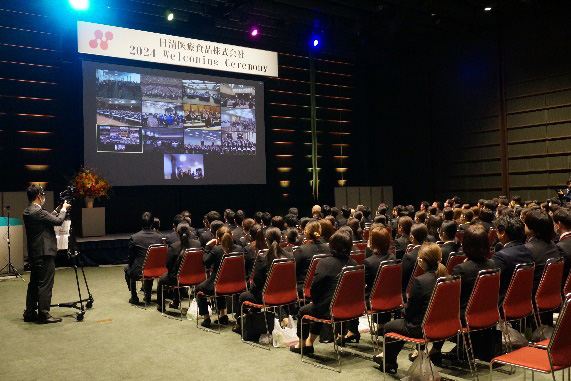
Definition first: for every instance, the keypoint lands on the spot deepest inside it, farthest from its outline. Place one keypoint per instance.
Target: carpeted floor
(118, 341)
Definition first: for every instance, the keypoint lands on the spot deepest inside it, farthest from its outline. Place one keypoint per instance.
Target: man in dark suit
(447, 234)
(238, 232)
(207, 234)
(403, 236)
(565, 194)
(172, 237)
(511, 234)
(42, 249)
(345, 214)
(138, 247)
(210, 234)
(418, 234)
(562, 221)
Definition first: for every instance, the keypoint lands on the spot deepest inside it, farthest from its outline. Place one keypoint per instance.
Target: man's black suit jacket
(372, 265)
(40, 233)
(325, 282)
(447, 248)
(400, 245)
(564, 246)
(408, 263)
(469, 272)
(138, 246)
(513, 254)
(541, 251)
(303, 256)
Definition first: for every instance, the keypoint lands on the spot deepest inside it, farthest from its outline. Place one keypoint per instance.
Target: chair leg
(384, 357)
(267, 328)
(180, 302)
(335, 345)
(491, 369)
(470, 354)
(217, 311)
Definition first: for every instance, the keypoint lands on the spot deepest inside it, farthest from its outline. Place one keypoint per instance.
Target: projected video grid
(180, 119)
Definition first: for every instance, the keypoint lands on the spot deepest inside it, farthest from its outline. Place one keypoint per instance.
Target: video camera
(67, 194)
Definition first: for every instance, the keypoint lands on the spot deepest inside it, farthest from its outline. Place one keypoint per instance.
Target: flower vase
(89, 202)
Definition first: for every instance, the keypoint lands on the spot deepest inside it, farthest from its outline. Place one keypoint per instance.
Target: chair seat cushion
(252, 304)
(396, 336)
(319, 320)
(542, 344)
(529, 357)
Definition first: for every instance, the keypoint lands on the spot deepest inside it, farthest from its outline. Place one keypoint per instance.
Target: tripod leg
(78, 285)
(85, 280)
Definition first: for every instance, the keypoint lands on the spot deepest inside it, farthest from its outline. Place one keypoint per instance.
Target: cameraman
(42, 249)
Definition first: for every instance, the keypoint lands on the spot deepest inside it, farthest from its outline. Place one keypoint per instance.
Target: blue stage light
(79, 5)
(315, 42)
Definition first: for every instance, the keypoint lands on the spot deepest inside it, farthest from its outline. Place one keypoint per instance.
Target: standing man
(42, 249)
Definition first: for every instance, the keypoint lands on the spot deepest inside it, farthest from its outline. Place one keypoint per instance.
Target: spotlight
(254, 31)
(79, 5)
(315, 42)
(487, 9)
(170, 16)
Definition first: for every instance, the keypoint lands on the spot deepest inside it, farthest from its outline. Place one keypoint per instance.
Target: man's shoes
(134, 301)
(223, 320)
(206, 323)
(30, 316)
(237, 329)
(174, 305)
(390, 368)
(47, 319)
(306, 349)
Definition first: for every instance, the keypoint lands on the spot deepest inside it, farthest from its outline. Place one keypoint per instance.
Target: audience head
(382, 210)
(229, 216)
(273, 237)
(326, 209)
(562, 220)
(316, 211)
(291, 220)
(419, 232)
(433, 223)
(156, 224)
(183, 233)
(293, 211)
(247, 225)
(258, 242)
(334, 212)
(346, 230)
(432, 210)
(404, 225)
(380, 219)
(340, 245)
(147, 220)
(332, 220)
(366, 211)
(345, 211)
(266, 219)
(213, 216)
(467, 215)
(486, 215)
(327, 229)
(186, 214)
(224, 237)
(448, 231)
(420, 217)
(538, 224)
(292, 235)
(516, 200)
(424, 206)
(239, 217)
(358, 215)
(177, 220)
(313, 230)
(448, 214)
(278, 222)
(258, 217)
(379, 240)
(510, 227)
(476, 243)
(215, 225)
(355, 226)
(430, 258)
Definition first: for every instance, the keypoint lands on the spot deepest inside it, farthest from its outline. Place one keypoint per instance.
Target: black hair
(213, 216)
(177, 220)
(258, 217)
(183, 232)
(292, 235)
(215, 225)
(448, 214)
(239, 217)
(432, 210)
(419, 232)
(291, 220)
(334, 211)
(475, 243)
(540, 223)
(433, 223)
(230, 216)
(563, 215)
(420, 216)
(468, 214)
(380, 219)
(273, 236)
(326, 210)
(491, 204)
(509, 223)
(517, 199)
(156, 223)
(340, 244)
(278, 222)
(486, 215)
(382, 209)
(266, 219)
(406, 223)
(147, 220)
(33, 191)
(345, 211)
(293, 211)
(449, 228)
(303, 222)
(366, 211)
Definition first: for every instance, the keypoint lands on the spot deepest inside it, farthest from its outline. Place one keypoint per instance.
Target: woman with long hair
(214, 251)
(257, 244)
(429, 259)
(260, 274)
(304, 253)
(174, 258)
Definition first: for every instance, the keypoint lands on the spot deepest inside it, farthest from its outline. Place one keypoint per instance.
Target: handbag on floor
(254, 325)
(422, 369)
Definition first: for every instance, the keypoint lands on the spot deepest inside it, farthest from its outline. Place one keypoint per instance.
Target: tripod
(73, 255)
(11, 269)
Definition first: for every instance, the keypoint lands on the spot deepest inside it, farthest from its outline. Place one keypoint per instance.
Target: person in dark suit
(540, 231)
(447, 234)
(379, 242)
(173, 237)
(214, 250)
(562, 221)
(486, 218)
(42, 249)
(238, 232)
(403, 236)
(138, 247)
(322, 289)
(345, 214)
(174, 258)
(511, 234)
(565, 194)
(305, 252)
(418, 234)
(245, 239)
(433, 224)
(260, 273)
(257, 243)
(209, 233)
(429, 258)
(465, 219)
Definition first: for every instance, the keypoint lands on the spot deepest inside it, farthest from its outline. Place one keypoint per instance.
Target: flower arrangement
(90, 184)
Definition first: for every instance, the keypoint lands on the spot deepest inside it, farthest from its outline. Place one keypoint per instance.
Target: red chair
(230, 280)
(460, 236)
(409, 247)
(548, 295)
(454, 259)
(358, 256)
(386, 294)
(492, 236)
(482, 311)
(285, 244)
(348, 303)
(556, 357)
(390, 230)
(442, 318)
(360, 245)
(366, 234)
(155, 263)
(567, 287)
(418, 271)
(517, 303)
(280, 290)
(310, 274)
(190, 273)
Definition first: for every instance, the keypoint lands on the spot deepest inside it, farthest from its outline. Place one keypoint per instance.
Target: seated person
(327, 230)
(213, 252)
(433, 224)
(418, 234)
(257, 243)
(292, 237)
(209, 232)
(429, 257)
(486, 218)
(138, 247)
(322, 289)
(403, 235)
(465, 219)
(511, 234)
(562, 221)
(305, 252)
(447, 235)
(260, 274)
(245, 239)
(355, 226)
(174, 258)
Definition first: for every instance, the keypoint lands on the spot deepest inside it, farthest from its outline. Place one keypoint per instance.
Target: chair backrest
(390, 230)
(361, 246)
(460, 236)
(517, 302)
(155, 261)
(386, 294)
(358, 256)
(281, 285)
(559, 347)
(548, 295)
(409, 247)
(453, 260)
(567, 287)
(349, 299)
(285, 244)
(482, 311)
(442, 318)
(311, 273)
(366, 234)
(231, 276)
(191, 271)
(492, 236)
(418, 271)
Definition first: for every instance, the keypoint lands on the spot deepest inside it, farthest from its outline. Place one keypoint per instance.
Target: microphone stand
(11, 269)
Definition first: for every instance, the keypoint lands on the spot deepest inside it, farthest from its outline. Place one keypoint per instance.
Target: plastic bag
(422, 370)
(516, 339)
(284, 336)
(192, 310)
(364, 324)
(542, 333)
